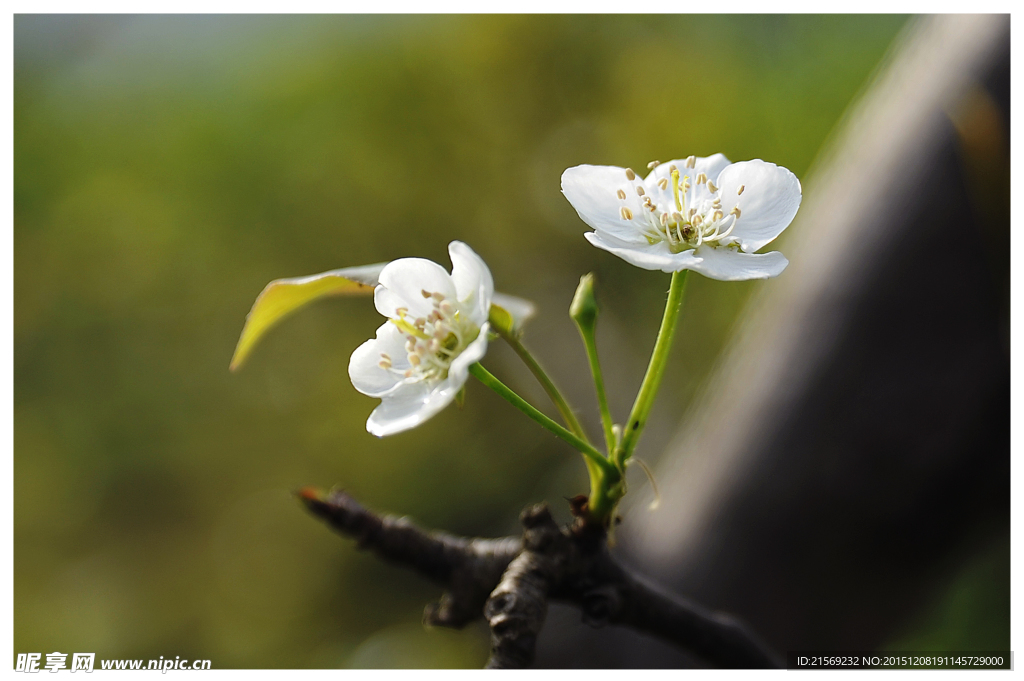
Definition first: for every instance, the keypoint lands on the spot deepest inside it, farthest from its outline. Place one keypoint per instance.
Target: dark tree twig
(467, 568)
(510, 581)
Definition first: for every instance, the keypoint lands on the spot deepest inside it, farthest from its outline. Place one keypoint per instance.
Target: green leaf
(281, 297)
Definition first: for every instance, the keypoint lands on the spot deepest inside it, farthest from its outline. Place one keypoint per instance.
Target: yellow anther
(621, 194)
(698, 220)
(740, 190)
(712, 187)
(663, 183)
(735, 211)
(626, 213)
(691, 161)
(384, 364)
(653, 164)
(639, 190)
(702, 178)
(425, 293)
(676, 217)
(718, 215)
(664, 219)
(630, 175)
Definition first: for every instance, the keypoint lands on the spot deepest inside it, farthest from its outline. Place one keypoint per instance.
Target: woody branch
(509, 581)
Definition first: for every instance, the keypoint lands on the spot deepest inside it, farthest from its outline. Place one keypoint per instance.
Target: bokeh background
(167, 168)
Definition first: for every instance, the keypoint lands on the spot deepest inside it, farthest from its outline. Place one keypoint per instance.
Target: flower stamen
(432, 342)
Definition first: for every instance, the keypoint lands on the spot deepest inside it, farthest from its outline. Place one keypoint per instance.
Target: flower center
(432, 342)
(687, 217)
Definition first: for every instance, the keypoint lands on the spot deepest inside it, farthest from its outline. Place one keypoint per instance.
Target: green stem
(659, 357)
(582, 446)
(602, 399)
(549, 386)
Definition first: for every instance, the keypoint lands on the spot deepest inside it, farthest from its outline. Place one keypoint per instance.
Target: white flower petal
(474, 286)
(387, 302)
(364, 367)
(727, 264)
(405, 279)
(770, 200)
(408, 407)
(592, 191)
(647, 256)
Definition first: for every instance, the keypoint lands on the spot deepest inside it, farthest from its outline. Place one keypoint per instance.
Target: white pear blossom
(437, 327)
(701, 214)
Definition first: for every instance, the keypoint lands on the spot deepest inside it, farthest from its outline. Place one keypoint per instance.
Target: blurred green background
(167, 168)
